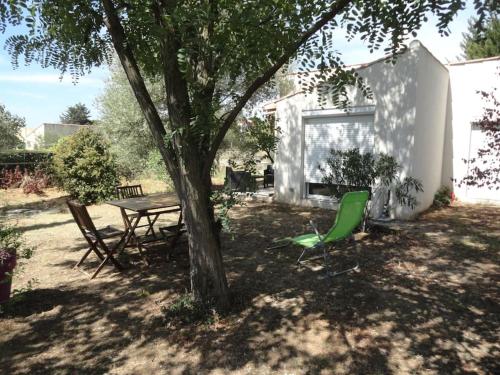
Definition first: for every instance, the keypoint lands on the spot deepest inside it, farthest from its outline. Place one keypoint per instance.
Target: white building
(47, 134)
(420, 114)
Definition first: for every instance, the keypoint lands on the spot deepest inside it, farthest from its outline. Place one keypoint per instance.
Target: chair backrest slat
(349, 216)
(82, 217)
(130, 191)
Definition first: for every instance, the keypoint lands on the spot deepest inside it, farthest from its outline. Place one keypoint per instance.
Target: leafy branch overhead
(215, 41)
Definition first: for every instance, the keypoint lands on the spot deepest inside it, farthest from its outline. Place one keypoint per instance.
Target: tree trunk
(208, 279)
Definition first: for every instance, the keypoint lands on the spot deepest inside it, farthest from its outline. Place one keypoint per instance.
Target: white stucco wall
(48, 134)
(466, 106)
(429, 129)
(416, 82)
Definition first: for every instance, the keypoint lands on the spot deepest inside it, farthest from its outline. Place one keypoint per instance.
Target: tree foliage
(84, 167)
(213, 56)
(124, 126)
(76, 114)
(10, 129)
(482, 42)
(250, 139)
(262, 135)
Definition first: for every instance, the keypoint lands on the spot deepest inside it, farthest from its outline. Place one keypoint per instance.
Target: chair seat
(306, 240)
(172, 230)
(134, 215)
(107, 232)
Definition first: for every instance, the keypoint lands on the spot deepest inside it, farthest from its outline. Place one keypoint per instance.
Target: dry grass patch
(425, 302)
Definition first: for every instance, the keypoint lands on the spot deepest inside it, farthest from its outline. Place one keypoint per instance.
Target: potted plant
(11, 249)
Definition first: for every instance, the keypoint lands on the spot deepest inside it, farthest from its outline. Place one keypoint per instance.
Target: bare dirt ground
(424, 302)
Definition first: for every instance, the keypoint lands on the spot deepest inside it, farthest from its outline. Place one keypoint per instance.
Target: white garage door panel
(340, 133)
(478, 140)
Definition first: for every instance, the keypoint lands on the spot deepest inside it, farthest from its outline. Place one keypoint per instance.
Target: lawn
(425, 301)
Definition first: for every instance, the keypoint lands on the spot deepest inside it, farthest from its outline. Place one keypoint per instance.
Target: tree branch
(336, 8)
(127, 59)
(179, 109)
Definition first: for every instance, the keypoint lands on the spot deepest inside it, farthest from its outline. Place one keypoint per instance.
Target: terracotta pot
(6, 267)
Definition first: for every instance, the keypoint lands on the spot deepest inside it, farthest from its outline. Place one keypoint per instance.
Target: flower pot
(7, 265)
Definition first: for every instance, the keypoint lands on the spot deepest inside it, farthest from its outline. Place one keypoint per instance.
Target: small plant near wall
(13, 253)
(443, 197)
(351, 170)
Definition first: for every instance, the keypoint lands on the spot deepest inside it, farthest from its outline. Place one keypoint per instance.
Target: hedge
(24, 158)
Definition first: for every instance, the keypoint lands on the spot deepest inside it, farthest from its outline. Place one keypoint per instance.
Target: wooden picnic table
(148, 205)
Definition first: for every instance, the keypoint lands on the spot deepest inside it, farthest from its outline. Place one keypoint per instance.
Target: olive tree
(10, 128)
(211, 54)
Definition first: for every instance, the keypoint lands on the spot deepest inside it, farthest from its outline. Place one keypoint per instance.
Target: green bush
(350, 170)
(84, 167)
(442, 198)
(24, 159)
(155, 167)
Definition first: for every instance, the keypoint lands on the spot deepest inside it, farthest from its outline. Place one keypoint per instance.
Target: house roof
(475, 61)
(271, 106)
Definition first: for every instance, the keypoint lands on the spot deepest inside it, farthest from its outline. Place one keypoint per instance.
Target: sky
(40, 96)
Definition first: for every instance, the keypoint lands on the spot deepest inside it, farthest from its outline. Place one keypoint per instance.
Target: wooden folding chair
(134, 191)
(95, 237)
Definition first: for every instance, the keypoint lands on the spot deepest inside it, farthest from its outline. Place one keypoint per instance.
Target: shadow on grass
(426, 301)
(52, 203)
(43, 225)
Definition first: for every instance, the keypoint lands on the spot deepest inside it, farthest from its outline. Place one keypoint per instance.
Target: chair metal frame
(341, 229)
(324, 247)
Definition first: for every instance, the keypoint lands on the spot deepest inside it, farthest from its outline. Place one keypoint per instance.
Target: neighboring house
(47, 135)
(420, 113)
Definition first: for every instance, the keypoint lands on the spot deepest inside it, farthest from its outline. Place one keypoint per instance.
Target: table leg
(130, 234)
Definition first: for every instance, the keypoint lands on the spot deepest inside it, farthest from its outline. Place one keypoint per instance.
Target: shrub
(443, 197)
(351, 170)
(155, 167)
(14, 253)
(12, 245)
(84, 167)
(24, 159)
(30, 182)
(185, 310)
(11, 178)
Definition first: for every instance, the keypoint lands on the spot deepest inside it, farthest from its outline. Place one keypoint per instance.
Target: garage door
(321, 134)
(478, 140)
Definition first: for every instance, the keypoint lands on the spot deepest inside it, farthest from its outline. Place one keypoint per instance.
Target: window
(323, 133)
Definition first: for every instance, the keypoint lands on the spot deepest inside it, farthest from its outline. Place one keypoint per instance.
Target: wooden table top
(147, 202)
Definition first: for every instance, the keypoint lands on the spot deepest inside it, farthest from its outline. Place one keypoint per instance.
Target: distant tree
(484, 168)
(76, 114)
(123, 123)
(10, 129)
(262, 136)
(480, 42)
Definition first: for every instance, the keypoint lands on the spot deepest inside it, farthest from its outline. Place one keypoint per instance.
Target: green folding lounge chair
(349, 216)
